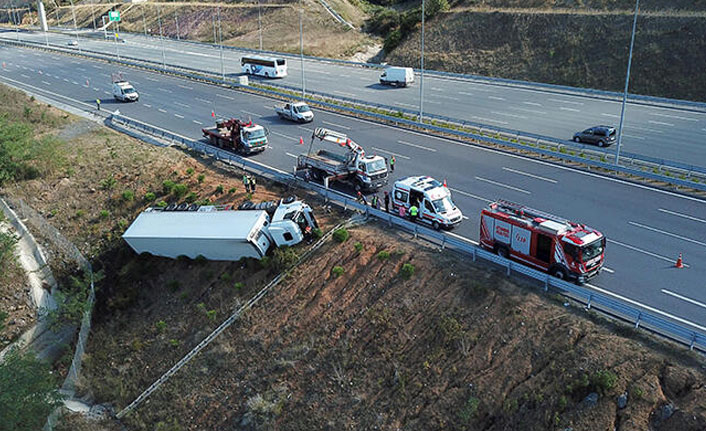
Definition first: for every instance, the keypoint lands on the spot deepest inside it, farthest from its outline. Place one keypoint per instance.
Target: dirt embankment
(372, 345)
(567, 49)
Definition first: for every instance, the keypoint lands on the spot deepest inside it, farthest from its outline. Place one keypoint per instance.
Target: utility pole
(117, 42)
(627, 81)
(220, 39)
(176, 20)
(259, 21)
(73, 13)
(93, 17)
(144, 24)
(421, 75)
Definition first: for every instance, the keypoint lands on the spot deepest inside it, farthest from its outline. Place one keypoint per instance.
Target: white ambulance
(432, 199)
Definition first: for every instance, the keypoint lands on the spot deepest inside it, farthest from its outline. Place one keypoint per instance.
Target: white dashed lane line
(496, 98)
(517, 189)
(514, 171)
(683, 298)
(291, 155)
(46, 83)
(183, 105)
(464, 93)
(337, 125)
(678, 117)
(162, 110)
(390, 152)
(146, 105)
(532, 103)
(686, 216)
(507, 114)
(661, 123)
(197, 122)
(225, 97)
(664, 232)
(204, 100)
(569, 102)
(639, 250)
(186, 87)
(291, 138)
(422, 147)
(470, 195)
(563, 108)
(178, 116)
(24, 76)
(250, 113)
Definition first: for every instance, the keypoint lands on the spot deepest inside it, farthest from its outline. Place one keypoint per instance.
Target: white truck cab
(123, 91)
(397, 76)
(432, 199)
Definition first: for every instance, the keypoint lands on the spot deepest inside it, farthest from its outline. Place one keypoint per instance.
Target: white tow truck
(432, 199)
(219, 232)
(298, 111)
(365, 173)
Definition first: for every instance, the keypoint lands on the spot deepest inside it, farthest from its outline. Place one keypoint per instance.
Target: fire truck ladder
(531, 213)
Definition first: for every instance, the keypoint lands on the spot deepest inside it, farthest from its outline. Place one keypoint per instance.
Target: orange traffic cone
(679, 263)
(445, 183)
(301, 141)
(213, 114)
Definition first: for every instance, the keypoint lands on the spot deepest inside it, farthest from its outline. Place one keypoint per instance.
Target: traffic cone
(213, 114)
(301, 141)
(445, 183)
(679, 263)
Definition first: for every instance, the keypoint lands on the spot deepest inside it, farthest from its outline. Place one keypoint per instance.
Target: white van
(398, 76)
(124, 92)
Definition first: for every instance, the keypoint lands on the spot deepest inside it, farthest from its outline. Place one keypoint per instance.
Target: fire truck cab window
(571, 250)
(400, 196)
(544, 247)
(428, 206)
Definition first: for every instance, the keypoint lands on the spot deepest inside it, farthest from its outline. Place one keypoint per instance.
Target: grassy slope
(568, 49)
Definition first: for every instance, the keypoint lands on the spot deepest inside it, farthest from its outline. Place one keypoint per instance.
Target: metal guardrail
(673, 172)
(604, 303)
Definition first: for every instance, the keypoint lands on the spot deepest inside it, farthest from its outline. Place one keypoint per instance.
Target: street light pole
(301, 47)
(259, 21)
(176, 20)
(73, 13)
(627, 81)
(144, 24)
(93, 17)
(421, 75)
(220, 40)
(161, 37)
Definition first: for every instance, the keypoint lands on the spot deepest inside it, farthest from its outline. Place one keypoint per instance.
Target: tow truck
(240, 136)
(365, 173)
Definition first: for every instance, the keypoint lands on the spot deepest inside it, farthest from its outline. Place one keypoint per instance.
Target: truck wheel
(502, 251)
(435, 224)
(559, 273)
(213, 140)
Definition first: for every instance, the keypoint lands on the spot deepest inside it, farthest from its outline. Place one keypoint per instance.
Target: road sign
(114, 15)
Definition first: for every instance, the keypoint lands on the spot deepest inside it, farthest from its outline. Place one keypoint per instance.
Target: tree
(28, 392)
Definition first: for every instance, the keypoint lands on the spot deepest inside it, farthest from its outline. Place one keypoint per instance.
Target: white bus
(268, 67)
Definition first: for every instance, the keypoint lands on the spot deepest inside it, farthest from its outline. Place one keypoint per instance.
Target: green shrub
(128, 196)
(341, 235)
(318, 233)
(383, 255)
(283, 258)
(219, 189)
(108, 183)
(201, 177)
(190, 171)
(469, 410)
(104, 214)
(80, 213)
(174, 342)
(211, 314)
(238, 286)
(231, 190)
(191, 197)
(603, 381)
(226, 277)
(180, 190)
(161, 204)
(150, 197)
(407, 271)
(562, 403)
(7, 248)
(161, 326)
(337, 271)
(168, 186)
(358, 246)
(122, 224)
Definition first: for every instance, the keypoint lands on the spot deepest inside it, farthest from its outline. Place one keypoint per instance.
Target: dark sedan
(598, 135)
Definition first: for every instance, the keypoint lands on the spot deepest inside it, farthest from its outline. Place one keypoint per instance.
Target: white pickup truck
(298, 111)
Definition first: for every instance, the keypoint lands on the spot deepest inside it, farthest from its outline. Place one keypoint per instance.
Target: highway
(655, 131)
(647, 228)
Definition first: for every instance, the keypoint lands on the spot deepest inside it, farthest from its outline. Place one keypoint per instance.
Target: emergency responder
(387, 202)
(413, 212)
(98, 104)
(392, 164)
(246, 183)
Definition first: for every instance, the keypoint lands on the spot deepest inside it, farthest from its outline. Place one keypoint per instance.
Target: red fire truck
(565, 249)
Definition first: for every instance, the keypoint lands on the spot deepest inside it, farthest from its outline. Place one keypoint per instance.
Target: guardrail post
(509, 267)
(546, 283)
(693, 341)
(415, 231)
(474, 254)
(443, 241)
(588, 305)
(637, 322)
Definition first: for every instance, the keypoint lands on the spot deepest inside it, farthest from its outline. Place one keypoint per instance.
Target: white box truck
(397, 76)
(220, 232)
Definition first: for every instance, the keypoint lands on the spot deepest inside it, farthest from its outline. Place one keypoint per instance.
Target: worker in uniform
(246, 183)
(375, 202)
(387, 202)
(253, 184)
(392, 164)
(98, 104)
(413, 212)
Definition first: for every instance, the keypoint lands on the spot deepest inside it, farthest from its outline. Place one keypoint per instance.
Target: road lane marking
(507, 114)
(291, 155)
(683, 298)
(648, 253)
(433, 102)
(45, 82)
(470, 195)
(563, 108)
(144, 104)
(250, 113)
(74, 82)
(465, 93)
(336, 125)
(657, 114)
(417, 146)
(304, 128)
(106, 92)
(462, 238)
(532, 103)
(225, 97)
(569, 102)
(186, 87)
(390, 152)
(96, 67)
(608, 270)
(437, 89)
(178, 116)
(440, 96)
(96, 89)
(25, 76)
(490, 120)
(405, 104)
(183, 105)
(151, 79)
(285, 136)
(344, 93)
(664, 232)
(162, 110)
(610, 115)
(166, 90)
(661, 123)
(66, 80)
(530, 175)
(496, 98)
(633, 137)
(531, 111)
(682, 215)
(646, 307)
(204, 100)
(485, 180)
(197, 122)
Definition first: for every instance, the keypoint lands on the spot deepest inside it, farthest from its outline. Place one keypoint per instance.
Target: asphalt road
(668, 133)
(647, 228)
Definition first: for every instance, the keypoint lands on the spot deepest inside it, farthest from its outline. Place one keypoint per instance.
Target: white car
(72, 43)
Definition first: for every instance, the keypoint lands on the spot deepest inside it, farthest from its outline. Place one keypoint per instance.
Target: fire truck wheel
(503, 252)
(559, 273)
(435, 224)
